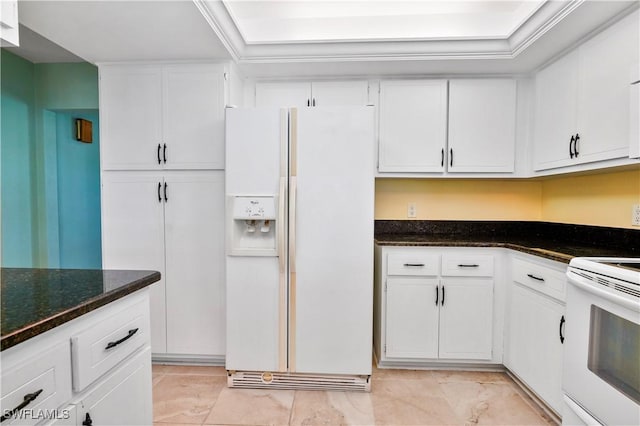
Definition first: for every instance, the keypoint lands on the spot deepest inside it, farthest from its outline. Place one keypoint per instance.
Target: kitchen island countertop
(36, 300)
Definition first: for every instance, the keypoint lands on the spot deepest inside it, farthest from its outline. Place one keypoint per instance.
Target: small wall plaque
(84, 131)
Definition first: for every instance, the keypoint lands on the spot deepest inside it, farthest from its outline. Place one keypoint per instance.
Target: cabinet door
(603, 94)
(466, 319)
(130, 117)
(284, 95)
(340, 93)
(122, 398)
(193, 117)
(555, 113)
(411, 317)
(482, 121)
(534, 350)
(194, 234)
(133, 235)
(413, 125)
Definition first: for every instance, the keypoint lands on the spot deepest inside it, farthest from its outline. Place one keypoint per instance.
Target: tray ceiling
(297, 21)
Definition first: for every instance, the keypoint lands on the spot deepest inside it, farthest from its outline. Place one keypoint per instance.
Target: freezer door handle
(280, 225)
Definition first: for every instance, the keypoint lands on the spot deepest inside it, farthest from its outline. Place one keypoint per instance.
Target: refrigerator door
(331, 240)
(256, 166)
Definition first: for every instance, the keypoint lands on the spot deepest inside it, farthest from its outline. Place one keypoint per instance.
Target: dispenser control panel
(254, 208)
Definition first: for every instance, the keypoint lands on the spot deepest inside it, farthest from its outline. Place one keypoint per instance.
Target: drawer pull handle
(535, 278)
(414, 264)
(27, 399)
(117, 342)
(468, 265)
(88, 421)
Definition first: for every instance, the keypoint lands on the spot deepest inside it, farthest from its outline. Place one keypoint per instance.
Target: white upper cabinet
(582, 111)
(413, 125)
(482, 122)
(276, 94)
(309, 94)
(162, 117)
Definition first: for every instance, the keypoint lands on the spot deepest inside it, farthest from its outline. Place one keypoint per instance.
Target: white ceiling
(296, 21)
(325, 37)
(37, 49)
(113, 31)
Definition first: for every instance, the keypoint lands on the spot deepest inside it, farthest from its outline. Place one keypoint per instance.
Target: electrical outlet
(635, 216)
(412, 210)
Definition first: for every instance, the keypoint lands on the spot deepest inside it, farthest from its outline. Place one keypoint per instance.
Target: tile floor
(188, 395)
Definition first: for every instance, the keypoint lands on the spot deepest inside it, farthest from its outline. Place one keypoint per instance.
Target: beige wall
(602, 199)
(458, 199)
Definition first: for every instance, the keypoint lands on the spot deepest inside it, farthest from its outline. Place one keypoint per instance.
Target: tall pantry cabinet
(162, 160)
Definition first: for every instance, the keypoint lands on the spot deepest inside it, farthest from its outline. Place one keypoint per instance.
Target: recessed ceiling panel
(300, 21)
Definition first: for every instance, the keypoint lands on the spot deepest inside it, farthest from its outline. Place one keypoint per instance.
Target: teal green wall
(17, 103)
(78, 193)
(36, 99)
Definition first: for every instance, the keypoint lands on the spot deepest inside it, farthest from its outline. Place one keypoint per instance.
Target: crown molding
(540, 22)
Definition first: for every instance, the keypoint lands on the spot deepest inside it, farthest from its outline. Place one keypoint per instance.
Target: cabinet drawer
(467, 265)
(47, 378)
(540, 278)
(112, 339)
(407, 263)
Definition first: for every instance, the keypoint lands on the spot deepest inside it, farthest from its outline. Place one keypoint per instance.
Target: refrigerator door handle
(292, 223)
(280, 225)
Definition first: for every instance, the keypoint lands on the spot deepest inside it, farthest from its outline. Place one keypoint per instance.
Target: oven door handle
(586, 285)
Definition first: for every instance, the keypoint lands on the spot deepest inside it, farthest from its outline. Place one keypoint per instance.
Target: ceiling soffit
(540, 21)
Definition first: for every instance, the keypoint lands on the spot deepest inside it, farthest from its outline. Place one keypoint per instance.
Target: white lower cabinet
(535, 329)
(171, 222)
(110, 365)
(434, 304)
(122, 398)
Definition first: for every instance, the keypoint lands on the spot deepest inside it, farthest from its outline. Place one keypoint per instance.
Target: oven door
(601, 369)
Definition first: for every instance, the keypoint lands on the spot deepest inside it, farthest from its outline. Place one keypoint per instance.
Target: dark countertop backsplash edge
(522, 233)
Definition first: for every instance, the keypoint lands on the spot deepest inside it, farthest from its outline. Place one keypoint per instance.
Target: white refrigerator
(299, 269)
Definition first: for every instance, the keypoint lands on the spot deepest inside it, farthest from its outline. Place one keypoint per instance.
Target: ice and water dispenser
(253, 231)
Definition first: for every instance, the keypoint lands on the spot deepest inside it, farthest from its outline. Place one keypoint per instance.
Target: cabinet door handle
(308, 102)
(468, 265)
(159, 196)
(442, 303)
(442, 158)
(26, 400)
(87, 421)
(164, 153)
(562, 321)
(314, 102)
(165, 192)
(450, 157)
(575, 145)
(535, 278)
(437, 295)
(117, 342)
(573, 138)
(413, 264)
(159, 161)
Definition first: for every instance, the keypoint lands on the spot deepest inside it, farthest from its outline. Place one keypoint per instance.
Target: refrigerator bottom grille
(256, 380)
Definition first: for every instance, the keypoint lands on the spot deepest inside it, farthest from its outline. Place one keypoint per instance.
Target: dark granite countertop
(559, 242)
(36, 300)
